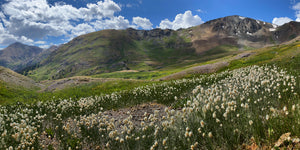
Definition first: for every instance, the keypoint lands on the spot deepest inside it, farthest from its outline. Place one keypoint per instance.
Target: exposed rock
(150, 34)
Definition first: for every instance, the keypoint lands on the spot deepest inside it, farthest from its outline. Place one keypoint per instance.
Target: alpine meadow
(228, 83)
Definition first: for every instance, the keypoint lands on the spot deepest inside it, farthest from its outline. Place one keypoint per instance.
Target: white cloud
(40, 42)
(144, 23)
(100, 10)
(44, 46)
(7, 38)
(281, 20)
(35, 19)
(27, 21)
(296, 7)
(82, 29)
(185, 20)
(114, 23)
(166, 24)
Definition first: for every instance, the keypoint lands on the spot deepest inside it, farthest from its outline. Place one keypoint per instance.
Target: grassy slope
(286, 56)
(172, 65)
(263, 132)
(108, 51)
(89, 50)
(10, 94)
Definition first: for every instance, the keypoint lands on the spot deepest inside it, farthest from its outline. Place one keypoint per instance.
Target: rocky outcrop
(150, 34)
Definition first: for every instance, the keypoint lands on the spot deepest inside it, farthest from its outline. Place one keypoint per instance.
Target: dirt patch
(137, 112)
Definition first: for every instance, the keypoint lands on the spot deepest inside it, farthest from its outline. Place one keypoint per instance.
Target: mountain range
(145, 50)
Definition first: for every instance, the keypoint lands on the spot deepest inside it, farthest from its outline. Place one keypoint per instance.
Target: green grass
(221, 49)
(184, 131)
(170, 66)
(195, 123)
(145, 75)
(11, 95)
(284, 55)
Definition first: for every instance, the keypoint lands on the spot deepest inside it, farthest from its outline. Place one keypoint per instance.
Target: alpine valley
(229, 83)
(154, 50)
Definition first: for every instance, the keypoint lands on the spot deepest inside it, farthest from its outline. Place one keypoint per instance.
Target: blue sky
(47, 22)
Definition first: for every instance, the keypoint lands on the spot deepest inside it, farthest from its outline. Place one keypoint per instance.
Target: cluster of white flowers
(237, 100)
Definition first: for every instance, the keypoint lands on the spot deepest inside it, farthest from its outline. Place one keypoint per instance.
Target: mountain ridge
(148, 50)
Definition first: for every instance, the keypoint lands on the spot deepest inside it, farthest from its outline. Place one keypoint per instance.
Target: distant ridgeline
(145, 50)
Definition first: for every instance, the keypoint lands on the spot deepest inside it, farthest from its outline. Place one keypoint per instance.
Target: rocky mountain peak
(234, 25)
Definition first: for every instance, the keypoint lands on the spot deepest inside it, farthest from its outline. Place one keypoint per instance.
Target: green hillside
(285, 56)
(251, 103)
(115, 50)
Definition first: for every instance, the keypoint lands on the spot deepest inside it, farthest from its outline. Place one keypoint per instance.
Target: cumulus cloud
(113, 23)
(185, 20)
(281, 20)
(296, 7)
(82, 28)
(28, 21)
(7, 38)
(36, 18)
(144, 23)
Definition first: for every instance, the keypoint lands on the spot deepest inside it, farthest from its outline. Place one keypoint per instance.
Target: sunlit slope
(115, 50)
(14, 87)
